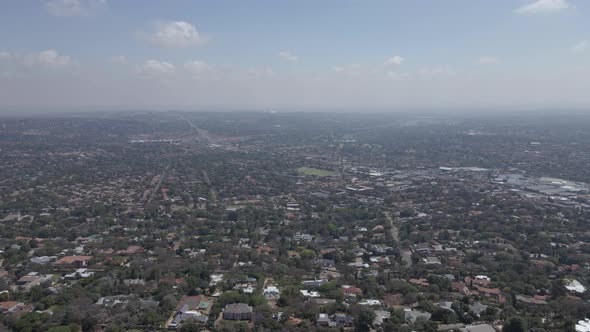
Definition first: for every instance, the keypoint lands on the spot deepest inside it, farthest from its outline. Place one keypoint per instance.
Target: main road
(394, 230)
(204, 134)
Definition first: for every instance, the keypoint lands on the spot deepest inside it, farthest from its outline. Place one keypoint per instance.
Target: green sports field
(314, 171)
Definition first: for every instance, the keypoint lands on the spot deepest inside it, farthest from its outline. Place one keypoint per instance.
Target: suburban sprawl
(270, 221)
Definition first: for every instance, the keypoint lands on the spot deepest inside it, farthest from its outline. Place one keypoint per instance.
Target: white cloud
(71, 8)
(395, 76)
(177, 34)
(288, 56)
(262, 72)
(118, 59)
(47, 58)
(394, 60)
(487, 60)
(352, 69)
(197, 67)
(580, 46)
(44, 59)
(155, 67)
(434, 72)
(296, 91)
(543, 6)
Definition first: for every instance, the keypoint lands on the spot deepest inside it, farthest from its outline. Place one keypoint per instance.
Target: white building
(574, 286)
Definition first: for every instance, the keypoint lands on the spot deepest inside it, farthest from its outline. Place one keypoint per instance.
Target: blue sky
(294, 54)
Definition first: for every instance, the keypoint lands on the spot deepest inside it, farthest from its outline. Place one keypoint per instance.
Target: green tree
(558, 289)
(515, 324)
(444, 315)
(36, 293)
(69, 328)
(89, 322)
(190, 326)
(364, 320)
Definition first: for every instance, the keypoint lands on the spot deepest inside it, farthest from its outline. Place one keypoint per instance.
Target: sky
(294, 55)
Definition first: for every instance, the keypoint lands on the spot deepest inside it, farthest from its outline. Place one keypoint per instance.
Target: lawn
(314, 171)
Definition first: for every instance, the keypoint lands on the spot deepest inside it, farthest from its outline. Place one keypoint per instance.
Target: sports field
(314, 171)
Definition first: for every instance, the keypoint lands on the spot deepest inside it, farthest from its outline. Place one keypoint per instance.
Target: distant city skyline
(294, 55)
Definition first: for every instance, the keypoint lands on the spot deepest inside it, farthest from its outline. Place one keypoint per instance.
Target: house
(412, 315)
(491, 293)
(419, 282)
(460, 287)
(245, 288)
(134, 282)
(264, 249)
(479, 280)
(14, 308)
(343, 320)
(324, 302)
(29, 280)
(309, 294)
(184, 314)
(380, 260)
(358, 252)
(271, 293)
(216, 279)
(379, 228)
(370, 302)
(379, 249)
(42, 260)
(450, 327)
(323, 320)
(303, 237)
(73, 261)
(381, 316)
(115, 300)
(479, 328)
(325, 263)
(237, 311)
(431, 260)
(574, 286)
(32, 279)
(583, 325)
(477, 308)
(314, 283)
(536, 300)
(337, 320)
(358, 264)
(422, 248)
(351, 290)
(131, 250)
(79, 274)
(447, 305)
(189, 308)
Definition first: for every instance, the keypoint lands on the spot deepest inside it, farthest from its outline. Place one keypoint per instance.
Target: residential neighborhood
(263, 222)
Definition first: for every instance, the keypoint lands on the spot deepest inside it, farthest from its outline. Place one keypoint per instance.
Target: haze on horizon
(90, 54)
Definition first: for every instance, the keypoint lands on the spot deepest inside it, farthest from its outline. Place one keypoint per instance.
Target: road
(155, 190)
(212, 191)
(407, 257)
(393, 230)
(406, 253)
(204, 134)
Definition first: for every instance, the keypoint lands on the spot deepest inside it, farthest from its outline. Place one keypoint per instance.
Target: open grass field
(314, 171)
